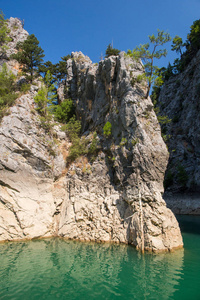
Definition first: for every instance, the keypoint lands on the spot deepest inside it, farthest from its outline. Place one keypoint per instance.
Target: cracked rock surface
(26, 175)
(117, 197)
(179, 99)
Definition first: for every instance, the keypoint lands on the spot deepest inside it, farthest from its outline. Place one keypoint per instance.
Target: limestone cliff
(117, 197)
(180, 100)
(17, 34)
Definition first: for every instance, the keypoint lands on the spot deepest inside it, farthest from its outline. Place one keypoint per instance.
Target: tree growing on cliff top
(148, 53)
(111, 51)
(193, 38)
(30, 56)
(177, 44)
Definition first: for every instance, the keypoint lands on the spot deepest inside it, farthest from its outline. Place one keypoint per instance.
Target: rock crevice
(117, 197)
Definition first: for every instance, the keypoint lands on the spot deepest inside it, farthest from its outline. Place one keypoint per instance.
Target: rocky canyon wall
(116, 197)
(180, 100)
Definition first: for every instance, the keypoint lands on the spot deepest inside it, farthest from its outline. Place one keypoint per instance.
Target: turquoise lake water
(60, 269)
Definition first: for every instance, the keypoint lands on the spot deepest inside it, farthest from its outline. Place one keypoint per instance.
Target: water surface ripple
(60, 269)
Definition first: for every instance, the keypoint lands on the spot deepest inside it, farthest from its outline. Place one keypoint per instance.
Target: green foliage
(193, 38)
(77, 149)
(93, 148)
(135, 141)
(41, 100)
(30, 56)
(24, 88)
(58, 71)
(48, 66)
(4, 34)
(65, 111)
(182, 175)
(163, 119)
(45, 96)
(148, 55)
(62, 68)
(168, 179)
(139, 79)
(107, 129)
(166, 137)
(7, 90)
(51, 90)
(133, 81)
(45, 123)
(79, 146)
(111, 51)
(177, 44)
(192, 45)
(73, 128)
(123, 142)
(44, 99)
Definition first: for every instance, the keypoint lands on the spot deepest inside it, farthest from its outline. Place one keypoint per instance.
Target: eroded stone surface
(135, 157)
(27, 171)
(117, 197)
(180, 100)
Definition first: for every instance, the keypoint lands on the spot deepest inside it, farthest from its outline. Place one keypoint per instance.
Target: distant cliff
(116, 196)
(180, 101)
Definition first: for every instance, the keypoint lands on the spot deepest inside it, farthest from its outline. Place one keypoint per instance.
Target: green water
(59, 269)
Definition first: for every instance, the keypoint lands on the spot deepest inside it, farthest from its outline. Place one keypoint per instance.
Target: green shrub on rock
(110, 51)
(8, 93)
(182, 175)
(107, 129)
(65, 111)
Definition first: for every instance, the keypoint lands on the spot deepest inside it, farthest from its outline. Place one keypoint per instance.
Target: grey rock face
(180, 101)
(27, 172)
(17, 34)
(118, 196)
(135, 157)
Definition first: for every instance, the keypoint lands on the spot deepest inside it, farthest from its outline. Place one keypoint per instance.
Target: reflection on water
(59, 269)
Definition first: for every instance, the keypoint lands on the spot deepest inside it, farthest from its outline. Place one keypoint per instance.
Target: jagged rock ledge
(117, 198)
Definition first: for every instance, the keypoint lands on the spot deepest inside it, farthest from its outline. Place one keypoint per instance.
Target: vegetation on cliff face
(4, 34)
(7, 90)
(30, 56)
(123, 170)
(111, 51)
(148, 53)
(191, 47)
(58, 70)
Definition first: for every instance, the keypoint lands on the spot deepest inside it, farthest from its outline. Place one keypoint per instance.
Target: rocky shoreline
(183, 204)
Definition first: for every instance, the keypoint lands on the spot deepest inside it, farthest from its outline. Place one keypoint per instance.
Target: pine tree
(193, 38)
(111, 51)
(30, 56)
(45, 96)
(62, 68)
(52, 68)
(148, 56)
(177, 44)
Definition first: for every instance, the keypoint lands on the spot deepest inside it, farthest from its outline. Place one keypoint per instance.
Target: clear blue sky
(63, 26)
